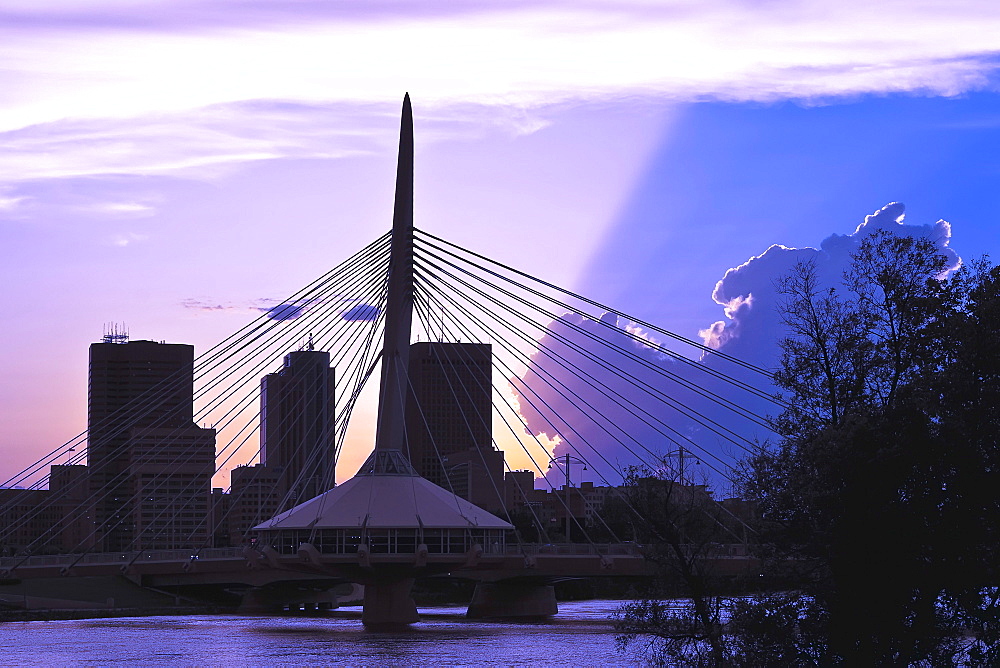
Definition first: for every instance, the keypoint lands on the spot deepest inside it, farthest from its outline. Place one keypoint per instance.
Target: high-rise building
(171, 470)
(220, 510)
(150, 466)
(255, 496)
(297, 431)
(449, 430)
(69, 487)
(26, 520)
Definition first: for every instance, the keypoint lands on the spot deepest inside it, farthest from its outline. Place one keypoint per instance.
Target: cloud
(272, 308)
(210, 141)
(184, 85)
(600, 385)
(11, 203)
(130, 209)
(297, 308)
(291, 311)
(609, 393)
(123, 239)
(111, 198)
(287, 310)
(750, 301)
(211, 307)
(361, 313)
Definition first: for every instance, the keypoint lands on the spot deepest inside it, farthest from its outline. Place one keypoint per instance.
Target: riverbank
(95, 613)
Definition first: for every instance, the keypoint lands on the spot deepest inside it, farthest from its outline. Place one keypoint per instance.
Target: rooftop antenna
(115, 333)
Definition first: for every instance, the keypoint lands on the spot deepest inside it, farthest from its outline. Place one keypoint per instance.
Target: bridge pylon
(398, 524)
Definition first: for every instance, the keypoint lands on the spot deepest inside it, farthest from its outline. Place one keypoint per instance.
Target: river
(580, 635)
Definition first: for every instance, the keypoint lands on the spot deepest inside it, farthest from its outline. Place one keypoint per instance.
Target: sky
(177, 166)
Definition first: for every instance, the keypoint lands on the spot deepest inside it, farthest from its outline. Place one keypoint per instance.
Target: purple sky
(179, 165)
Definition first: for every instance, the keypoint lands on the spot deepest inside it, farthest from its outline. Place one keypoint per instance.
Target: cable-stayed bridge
(507, 371)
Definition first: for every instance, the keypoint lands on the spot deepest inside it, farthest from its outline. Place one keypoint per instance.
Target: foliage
(779, 629)
(881, 496)
(682, 530)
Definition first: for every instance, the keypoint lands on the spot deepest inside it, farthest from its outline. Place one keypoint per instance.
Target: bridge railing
(119, 557)
(41, 560)
(597, 549)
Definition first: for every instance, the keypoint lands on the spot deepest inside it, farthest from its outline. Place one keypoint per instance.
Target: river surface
(580, 635)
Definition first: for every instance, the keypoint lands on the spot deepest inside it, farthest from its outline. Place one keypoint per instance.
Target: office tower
(220, 511)
(297, 431)
(69, 487)
(150, 465)
(449, 420)
(171, 472)
(519, 489)
(26, 520)
(255, 496)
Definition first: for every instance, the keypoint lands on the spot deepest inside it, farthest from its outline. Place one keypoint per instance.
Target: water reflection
(581, 635)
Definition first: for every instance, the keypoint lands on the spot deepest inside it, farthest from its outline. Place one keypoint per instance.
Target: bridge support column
(507, 599)
(259, 602)
(389, 604)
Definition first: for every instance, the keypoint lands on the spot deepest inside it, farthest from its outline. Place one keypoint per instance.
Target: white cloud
(132, 209)
(170, 79)
(10, 203)
(126, 239)
(750, 299)
(613, 416)
(210, 140)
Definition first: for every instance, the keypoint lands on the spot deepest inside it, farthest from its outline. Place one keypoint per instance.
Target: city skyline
(639, 161)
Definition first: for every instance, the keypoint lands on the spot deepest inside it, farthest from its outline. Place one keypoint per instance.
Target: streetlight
(463, 480)
(566, 460)
(466, 486)
(680, 453)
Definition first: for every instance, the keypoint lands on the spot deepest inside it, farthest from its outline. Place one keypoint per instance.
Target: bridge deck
(512, 561)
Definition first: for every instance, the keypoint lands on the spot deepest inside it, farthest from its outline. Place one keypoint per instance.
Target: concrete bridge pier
(512, 600)
(260, 601)
(388, 603)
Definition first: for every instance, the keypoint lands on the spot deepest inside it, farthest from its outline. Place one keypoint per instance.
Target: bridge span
(555, 560)
(512, 581)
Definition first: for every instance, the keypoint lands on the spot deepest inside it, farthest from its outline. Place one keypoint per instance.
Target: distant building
(150, 466)
(550, 508)
(255, 495)
(298, 418)
(449, 429)
(70, 488)
(476, 475)
(26, 519)
(519, 490)
(171, 470)
(594, 497)
(51, 521)
(219, 517)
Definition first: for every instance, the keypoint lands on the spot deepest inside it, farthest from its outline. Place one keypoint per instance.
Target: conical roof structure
(386, 500)
(387, 493)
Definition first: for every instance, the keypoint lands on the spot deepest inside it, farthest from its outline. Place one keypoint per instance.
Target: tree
(889, 445)
(682, 530)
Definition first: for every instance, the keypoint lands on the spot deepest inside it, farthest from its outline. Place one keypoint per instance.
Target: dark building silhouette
(255, 496)
(69, 487)
(219, 511)
(26, 519)
(150, 466)
(519, 489)
(449, 430)
(297, 431)
(171, 470)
